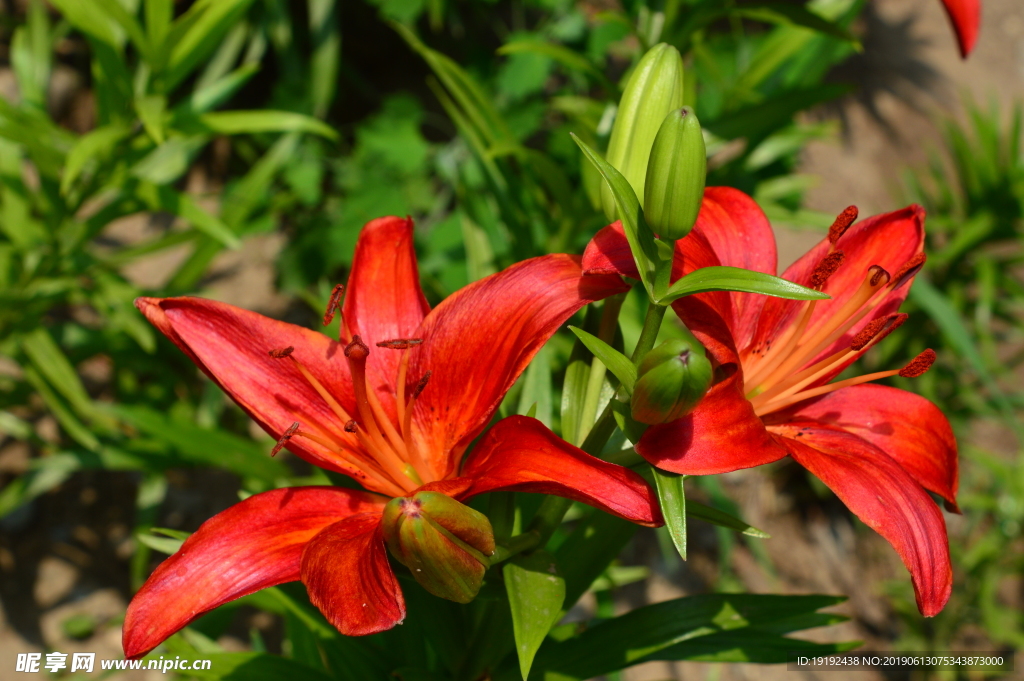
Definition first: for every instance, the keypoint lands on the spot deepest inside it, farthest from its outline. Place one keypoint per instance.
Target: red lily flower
(877, 447)
(965, 15)
(394, 405)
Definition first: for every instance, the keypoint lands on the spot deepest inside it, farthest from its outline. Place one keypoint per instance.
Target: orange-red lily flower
(394, 404)
(877, 447)
(965, 15)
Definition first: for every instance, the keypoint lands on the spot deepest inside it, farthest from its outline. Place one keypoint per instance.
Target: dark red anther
(911, 268)
(421, 385)
(399, 343)
(281, 353)
(357, 350)
(284, 438)
(878, 274)
(919, 364)
(351, 426)
(842, 223)
(826, 268)
(334, 303)
(878, 329)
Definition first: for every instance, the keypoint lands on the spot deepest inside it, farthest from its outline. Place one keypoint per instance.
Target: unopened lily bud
(672, 380)
(444, 544)
(654, 89)
(675, 175)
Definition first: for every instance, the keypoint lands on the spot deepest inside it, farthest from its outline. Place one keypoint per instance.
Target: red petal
(346, 572)
(608, 253)
(252, 545)
(888, 240)
(722, 434)
(478, 341)
(907, 427)
(383, 300)
(965, 15)
(520, 453)
(886, 497)
(231, 344)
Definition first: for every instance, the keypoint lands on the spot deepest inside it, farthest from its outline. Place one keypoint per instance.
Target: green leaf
(535, 399)
(206, 447)
(565, 56)
(616, 362)
(118, 14)
(794, 15)
(248, 122)
(714, 516)
(757, 120)
(89, 19)
(737, 279)
(31, 55)
(535, 594)
(574, 387)
(182, 205)
(52, 363)
(638, 233)
(165, 545)
(672, 498)
(660, 631)
(254, 667)
(589, 549)
(98, 144)
(196, 34)
(151, 109)
(213, 95)
(170, 160)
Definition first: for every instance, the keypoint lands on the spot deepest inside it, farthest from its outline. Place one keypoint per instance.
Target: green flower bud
(654, 89)
(672, 380)
(675, 175)
(444, 544)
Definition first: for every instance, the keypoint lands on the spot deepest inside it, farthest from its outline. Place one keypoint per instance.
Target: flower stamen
(334, 303)
(283, 440)
(841, 224)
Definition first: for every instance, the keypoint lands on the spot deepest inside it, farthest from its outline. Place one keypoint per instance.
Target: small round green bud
(676, 173)
(654, 89)
(672, 379)
(444, 543)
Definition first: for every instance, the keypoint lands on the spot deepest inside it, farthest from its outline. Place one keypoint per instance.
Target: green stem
(649, 334)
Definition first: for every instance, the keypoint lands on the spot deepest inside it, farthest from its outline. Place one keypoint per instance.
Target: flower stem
(649, 334)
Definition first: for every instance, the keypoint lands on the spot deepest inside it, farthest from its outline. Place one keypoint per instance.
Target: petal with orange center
(479, 340)
(888, 240)
(721, 435)
(965, 15)
(252, 545)
(885, 496)
(231, 346)
(346, 572)
(907, 427)
(520, 453)
(383, 299)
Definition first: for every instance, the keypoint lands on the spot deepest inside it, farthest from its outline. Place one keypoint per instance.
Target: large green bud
(654, 89)
(676, 173)
(672, 380)
(444, 544)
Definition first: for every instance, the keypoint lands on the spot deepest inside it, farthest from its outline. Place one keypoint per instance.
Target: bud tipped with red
(444, 544)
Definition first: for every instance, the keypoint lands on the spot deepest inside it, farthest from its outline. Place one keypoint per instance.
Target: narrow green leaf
(151, 109)
(563, 55)
(210, 97)
(90, 19)
(794, 15)
(736, 279)
(638, 233)
(182, 205)
(165, 545)
(535, 594)
(65, 417)
(117, 12)
(574, 387)
(254, 667)
(97, 144)
(52, 363)
(197, 33)
(589, 549)
(535, 399)
(248, 122)
(169, 161)
(672, 498)
(714, 516)
(616, 362)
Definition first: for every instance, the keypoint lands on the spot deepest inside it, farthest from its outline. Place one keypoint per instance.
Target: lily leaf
(638, 233)
(737, 279)
(712, 515)
(672, 497)
(616, 362)
(536, 593)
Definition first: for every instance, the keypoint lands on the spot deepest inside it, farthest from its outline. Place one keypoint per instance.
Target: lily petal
(252, 545)
(721, 435)
(907, 427)
(346, 572)
(521, 453)
(383, 300)
(965, 15)
(889, 240)
(231, 346)
(479, 340)
(885, 496)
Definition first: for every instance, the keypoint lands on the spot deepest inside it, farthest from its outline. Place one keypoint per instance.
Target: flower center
(781, 373)
(387, 452)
